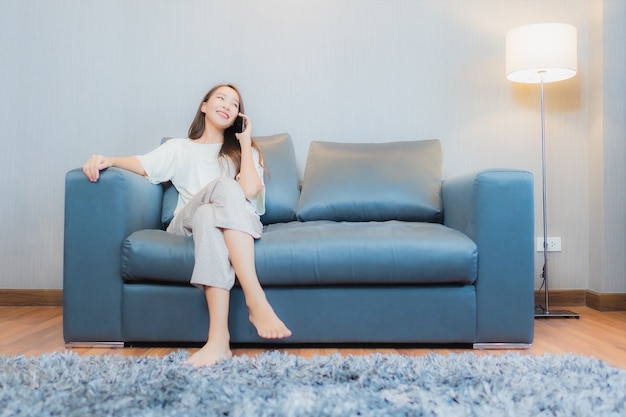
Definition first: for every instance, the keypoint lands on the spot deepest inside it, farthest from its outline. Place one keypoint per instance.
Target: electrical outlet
(554, 244)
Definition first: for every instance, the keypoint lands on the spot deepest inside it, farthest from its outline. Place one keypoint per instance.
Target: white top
(191, 165)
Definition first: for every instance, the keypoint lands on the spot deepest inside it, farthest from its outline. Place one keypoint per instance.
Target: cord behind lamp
(538, 54)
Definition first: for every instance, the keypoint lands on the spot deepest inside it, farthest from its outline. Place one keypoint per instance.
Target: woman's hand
(94, 165)
(245, 137)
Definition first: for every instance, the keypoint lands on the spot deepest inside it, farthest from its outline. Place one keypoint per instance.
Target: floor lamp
(538, 54)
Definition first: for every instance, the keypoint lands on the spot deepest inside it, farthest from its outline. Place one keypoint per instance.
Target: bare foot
(209, 354)
(267, 323)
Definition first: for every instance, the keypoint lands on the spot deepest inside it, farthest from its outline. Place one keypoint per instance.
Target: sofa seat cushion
(352, 253)
(156, 255)
(322, 253)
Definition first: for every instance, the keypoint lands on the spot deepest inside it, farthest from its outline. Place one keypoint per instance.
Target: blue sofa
(372, 247)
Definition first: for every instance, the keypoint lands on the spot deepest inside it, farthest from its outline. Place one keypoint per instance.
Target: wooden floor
(35, 330)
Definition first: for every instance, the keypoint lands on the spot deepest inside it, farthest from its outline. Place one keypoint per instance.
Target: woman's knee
(223, 190)
(229, 186)
(203, 217)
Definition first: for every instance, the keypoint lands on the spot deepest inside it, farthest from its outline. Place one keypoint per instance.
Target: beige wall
(85, 76)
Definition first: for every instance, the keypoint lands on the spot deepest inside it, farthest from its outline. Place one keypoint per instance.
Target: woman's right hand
(94, 165)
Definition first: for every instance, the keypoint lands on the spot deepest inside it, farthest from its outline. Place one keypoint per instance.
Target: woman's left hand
(245, 137)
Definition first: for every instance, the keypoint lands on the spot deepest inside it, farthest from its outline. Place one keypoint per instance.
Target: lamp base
(542, 313)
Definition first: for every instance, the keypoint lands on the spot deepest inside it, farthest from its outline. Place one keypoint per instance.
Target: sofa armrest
(495, 208)
(98, 217)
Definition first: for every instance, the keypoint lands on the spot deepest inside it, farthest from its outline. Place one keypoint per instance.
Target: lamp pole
(545, 193)
(545, 312)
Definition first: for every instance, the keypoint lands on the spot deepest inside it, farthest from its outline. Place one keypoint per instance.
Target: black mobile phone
(239, 124)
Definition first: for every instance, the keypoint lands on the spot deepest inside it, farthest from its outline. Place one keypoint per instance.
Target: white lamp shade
(544, 51)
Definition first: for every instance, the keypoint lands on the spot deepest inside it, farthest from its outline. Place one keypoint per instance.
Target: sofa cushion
(282, 185)
(156, 255)
(169, 203)
(322, 253)
(365, 253)
(170, 198)
(372, 181)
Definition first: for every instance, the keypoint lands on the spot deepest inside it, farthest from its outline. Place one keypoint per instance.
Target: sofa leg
(92, 345)
(494, 346)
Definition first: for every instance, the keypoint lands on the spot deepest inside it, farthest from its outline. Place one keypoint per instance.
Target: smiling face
(222, 107)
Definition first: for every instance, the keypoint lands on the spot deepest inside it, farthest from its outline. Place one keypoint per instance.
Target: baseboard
(562, 298)
(606, 301)
(43, 298)
(583, 298)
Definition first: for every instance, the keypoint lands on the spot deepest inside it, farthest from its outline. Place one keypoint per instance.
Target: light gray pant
(219, 205)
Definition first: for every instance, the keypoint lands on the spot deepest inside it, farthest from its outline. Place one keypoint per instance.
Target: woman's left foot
(209, 354)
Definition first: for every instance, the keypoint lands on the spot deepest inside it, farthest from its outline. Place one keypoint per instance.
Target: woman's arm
(249, 179)
(249, 176)
(97, 163)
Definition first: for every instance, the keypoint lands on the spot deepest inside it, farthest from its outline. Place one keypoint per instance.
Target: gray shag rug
(278, 384)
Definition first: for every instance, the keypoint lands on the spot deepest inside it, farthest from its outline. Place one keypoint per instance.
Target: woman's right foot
(267, 323)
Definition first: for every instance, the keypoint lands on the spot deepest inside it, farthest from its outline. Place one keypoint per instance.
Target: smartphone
(239, 124)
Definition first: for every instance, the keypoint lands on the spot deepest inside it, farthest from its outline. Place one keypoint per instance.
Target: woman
(219, 176)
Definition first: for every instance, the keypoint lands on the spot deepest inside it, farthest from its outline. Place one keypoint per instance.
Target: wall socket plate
(554, 244)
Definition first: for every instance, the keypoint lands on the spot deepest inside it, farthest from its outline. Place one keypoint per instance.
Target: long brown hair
(231, 148)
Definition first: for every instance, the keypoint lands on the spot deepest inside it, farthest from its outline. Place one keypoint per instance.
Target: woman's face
(221, 109)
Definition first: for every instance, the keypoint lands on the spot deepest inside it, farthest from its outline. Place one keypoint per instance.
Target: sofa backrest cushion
(372, 182)
(282, 185)
(170, 200)
(281, 182)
